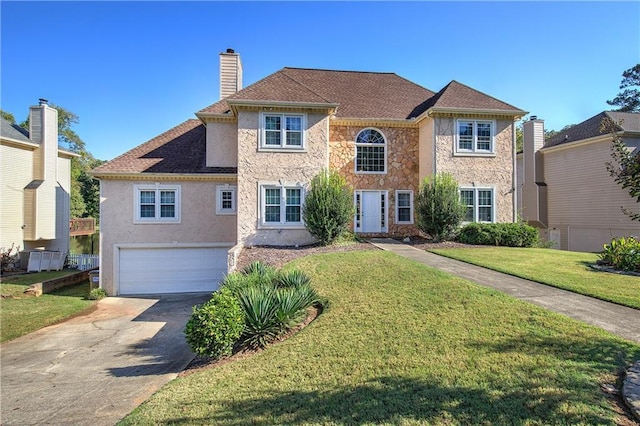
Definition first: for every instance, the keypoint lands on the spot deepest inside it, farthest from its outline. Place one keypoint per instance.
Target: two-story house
(178, 208)
(35, 183)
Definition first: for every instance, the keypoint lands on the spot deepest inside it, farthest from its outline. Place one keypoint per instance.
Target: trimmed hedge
(499, 234)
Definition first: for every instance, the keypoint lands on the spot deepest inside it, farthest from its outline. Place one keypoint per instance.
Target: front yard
(402, 343)
(563, 269)
(22, 314)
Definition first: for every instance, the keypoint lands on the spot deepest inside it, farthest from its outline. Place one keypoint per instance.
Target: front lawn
(403, 343)
(558, 268)
(22, 314)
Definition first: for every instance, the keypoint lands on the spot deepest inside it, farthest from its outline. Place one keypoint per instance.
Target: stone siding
(495, 171)
(402, 166)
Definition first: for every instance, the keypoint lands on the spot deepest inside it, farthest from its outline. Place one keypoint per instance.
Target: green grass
(22, 314)
(405, 344)
(558, 268)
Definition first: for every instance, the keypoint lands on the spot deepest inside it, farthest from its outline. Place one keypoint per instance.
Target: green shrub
(215, 326)
(259, 268)
(273, 302)
(622, 253)
(328, 207)
(293, 278)
(439, 210)
(97, 294)
(499, 234)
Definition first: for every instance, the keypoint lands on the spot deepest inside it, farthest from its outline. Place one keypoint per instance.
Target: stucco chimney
(230, 73)
(534, 190)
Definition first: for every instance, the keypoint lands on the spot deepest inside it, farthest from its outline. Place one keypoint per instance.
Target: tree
(439, 210)
(628, 99)
(625, 167)
(8, 116)
(328, 208)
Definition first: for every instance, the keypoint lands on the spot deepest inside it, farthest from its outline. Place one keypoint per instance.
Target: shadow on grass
(396, 400)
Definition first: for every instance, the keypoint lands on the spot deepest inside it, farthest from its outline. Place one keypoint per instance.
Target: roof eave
(282, 104)
(515, 113)
(162, 176)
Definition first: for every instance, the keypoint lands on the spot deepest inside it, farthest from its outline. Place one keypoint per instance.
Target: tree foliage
(624, 167)
(328, 208)
(439, 209)
(628, 100)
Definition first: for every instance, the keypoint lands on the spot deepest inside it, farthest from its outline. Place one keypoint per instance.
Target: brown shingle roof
(625, 121)
(359, 94)
(179, 150)
(459, 96)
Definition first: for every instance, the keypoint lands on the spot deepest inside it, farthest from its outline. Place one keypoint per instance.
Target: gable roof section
(456, 96)
(625, 121)
(358, 94)
(179, 150)
(13, 131)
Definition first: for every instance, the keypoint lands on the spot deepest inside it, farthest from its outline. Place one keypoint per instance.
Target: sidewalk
(619, 320)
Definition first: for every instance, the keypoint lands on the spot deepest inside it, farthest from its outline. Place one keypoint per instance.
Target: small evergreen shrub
(439, 209)
(294, 278)
(215, 326)
(499, 234)
(328, 207)
(622, 253)
(97, 294)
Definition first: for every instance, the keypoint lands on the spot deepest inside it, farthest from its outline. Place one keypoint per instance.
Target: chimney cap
(43, 101)
(534, 117)
(231, 50)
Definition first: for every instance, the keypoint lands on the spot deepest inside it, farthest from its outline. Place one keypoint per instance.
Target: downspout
(514, 171)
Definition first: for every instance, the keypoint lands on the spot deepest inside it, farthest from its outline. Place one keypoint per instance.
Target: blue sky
(131, 70)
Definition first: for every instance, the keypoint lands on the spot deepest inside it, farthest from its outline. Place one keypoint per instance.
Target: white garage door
(171, 270)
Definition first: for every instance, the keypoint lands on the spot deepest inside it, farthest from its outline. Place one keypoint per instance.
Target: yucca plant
(259, 268)
(260, 305)
(293, 278)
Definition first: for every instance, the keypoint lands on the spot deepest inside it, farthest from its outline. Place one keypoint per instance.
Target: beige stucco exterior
(482, 171)
(286, 167)
(222, 144)
(584, 201)
(199, 223)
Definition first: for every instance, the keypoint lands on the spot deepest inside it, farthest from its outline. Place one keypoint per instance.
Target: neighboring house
(35, 183)
(176, 210)
(564, 187)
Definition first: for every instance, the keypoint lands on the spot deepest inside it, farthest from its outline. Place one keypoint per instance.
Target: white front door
(371, 211)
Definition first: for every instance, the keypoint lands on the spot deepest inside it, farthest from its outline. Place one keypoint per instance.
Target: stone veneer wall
(494, 171)
(402, 166)
(290, 167)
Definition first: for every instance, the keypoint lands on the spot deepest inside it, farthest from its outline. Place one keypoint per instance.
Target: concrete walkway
(616, 319)
(95, 369)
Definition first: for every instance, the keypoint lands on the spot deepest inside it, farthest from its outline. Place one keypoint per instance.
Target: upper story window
(281, 205)
(371, 152)
(480, 204)
(282, 131)
(225, 199)
(475, 136)
(157, 203)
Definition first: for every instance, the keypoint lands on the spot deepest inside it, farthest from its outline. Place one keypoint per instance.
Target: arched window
(371, 152)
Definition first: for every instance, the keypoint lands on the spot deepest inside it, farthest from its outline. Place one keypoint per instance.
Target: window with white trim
(157, 203)
(371, 152)
(225, 199)
(480, 203)
(475, 136)
(281, 205)
(282, 131)
(404, 207)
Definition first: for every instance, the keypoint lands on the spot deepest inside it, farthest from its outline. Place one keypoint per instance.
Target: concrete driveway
(95, 369)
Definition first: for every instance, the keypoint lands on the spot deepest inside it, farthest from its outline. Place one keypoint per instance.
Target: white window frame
(283, 146)
(282, 223)
(410, 207)
(220, 190)
(476, 207)
(474, 138)
(157, 189)
(369, 145)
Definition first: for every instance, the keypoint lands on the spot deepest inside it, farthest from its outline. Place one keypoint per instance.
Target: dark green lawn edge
(555, 285)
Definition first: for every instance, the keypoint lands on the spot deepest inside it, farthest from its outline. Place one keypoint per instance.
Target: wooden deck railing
(82, 226)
